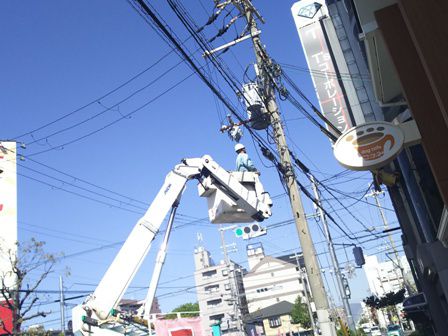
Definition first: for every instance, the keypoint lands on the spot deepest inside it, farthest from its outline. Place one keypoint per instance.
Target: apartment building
(271, 280)
(220, 293)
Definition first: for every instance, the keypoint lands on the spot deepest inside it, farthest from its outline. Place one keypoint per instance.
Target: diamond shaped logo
(310, 10)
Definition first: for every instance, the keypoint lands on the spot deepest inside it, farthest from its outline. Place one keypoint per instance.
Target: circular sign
(369, 146)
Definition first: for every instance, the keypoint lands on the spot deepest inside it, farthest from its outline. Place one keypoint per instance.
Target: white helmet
(239, 147)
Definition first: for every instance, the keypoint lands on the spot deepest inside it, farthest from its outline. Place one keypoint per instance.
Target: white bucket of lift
(221, 208)
(256, 109)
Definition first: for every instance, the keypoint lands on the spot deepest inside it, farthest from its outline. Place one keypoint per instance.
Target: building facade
(220, 293)
(273, 321)
(272, 280)
(385, 277)
(395, 68)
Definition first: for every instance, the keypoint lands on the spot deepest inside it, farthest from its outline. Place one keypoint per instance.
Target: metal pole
(308, 301)
(62, 304)
(374, 194)
(232, 280)
(334, 258)
(311, 263)
(160, 260)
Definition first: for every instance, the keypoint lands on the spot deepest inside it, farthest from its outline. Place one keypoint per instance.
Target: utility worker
(243, 162)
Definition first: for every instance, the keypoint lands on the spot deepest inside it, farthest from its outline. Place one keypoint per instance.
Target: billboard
(8, 208)
(309, 17)
(369, 146)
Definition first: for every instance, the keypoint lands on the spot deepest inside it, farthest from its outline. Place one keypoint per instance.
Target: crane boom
(236, 197)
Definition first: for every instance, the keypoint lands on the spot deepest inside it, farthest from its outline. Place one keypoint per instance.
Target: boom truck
(232, 197)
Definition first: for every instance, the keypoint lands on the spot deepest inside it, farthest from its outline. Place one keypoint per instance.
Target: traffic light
(359, 256)
(250, 231)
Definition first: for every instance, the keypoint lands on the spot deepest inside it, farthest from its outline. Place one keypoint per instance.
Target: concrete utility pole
(233, 281)
(334, 259)
(375, 194)
(62, 304)
(311, 263)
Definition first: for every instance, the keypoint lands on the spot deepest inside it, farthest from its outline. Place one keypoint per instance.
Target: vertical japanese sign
(8, 208)
(324, 75)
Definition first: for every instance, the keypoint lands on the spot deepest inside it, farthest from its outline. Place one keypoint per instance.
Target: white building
(8, 211)
(271, 280)
(220, 293)
(385, 277)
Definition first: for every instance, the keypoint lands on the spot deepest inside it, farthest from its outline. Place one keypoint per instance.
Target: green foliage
(364, 320)
(300, 315)
(389, 299)
(361, 332)
(186, 307)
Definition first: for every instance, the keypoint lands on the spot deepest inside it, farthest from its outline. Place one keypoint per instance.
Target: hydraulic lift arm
(252, 202)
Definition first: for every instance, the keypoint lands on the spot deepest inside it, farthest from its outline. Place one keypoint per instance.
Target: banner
(325, 76)
(179, 327)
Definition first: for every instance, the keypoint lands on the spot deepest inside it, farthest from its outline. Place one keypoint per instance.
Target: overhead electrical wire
(98, 99)
(147, 10)
(161, 26)
(62, 146)
(344, 76)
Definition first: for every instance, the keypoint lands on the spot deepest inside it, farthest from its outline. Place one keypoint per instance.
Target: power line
(99, 98)
(125, 116)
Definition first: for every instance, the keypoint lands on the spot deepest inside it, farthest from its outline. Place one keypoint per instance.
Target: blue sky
(59, 56)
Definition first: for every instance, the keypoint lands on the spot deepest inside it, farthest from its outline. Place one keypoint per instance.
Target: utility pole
(334, 258)
(233, 281)
(375, 194)
(311, 263)
(62, 304)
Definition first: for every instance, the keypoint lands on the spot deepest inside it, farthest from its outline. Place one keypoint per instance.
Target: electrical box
(256, 110)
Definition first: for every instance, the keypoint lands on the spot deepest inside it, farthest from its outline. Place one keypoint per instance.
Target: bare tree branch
(31, 304)
(38, 314)
(26, 259)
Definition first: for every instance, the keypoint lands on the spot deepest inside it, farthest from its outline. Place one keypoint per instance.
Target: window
(211, 288)
(208, 274)
(214, 303)
(225, 272)
(227, 286)
(272, 274)
(216, 318)
(261, 290)
(277, 299)
(275, 322)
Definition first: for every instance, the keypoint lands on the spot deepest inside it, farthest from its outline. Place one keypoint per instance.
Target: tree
(186, 307)
(17, 288)
(300, 314)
